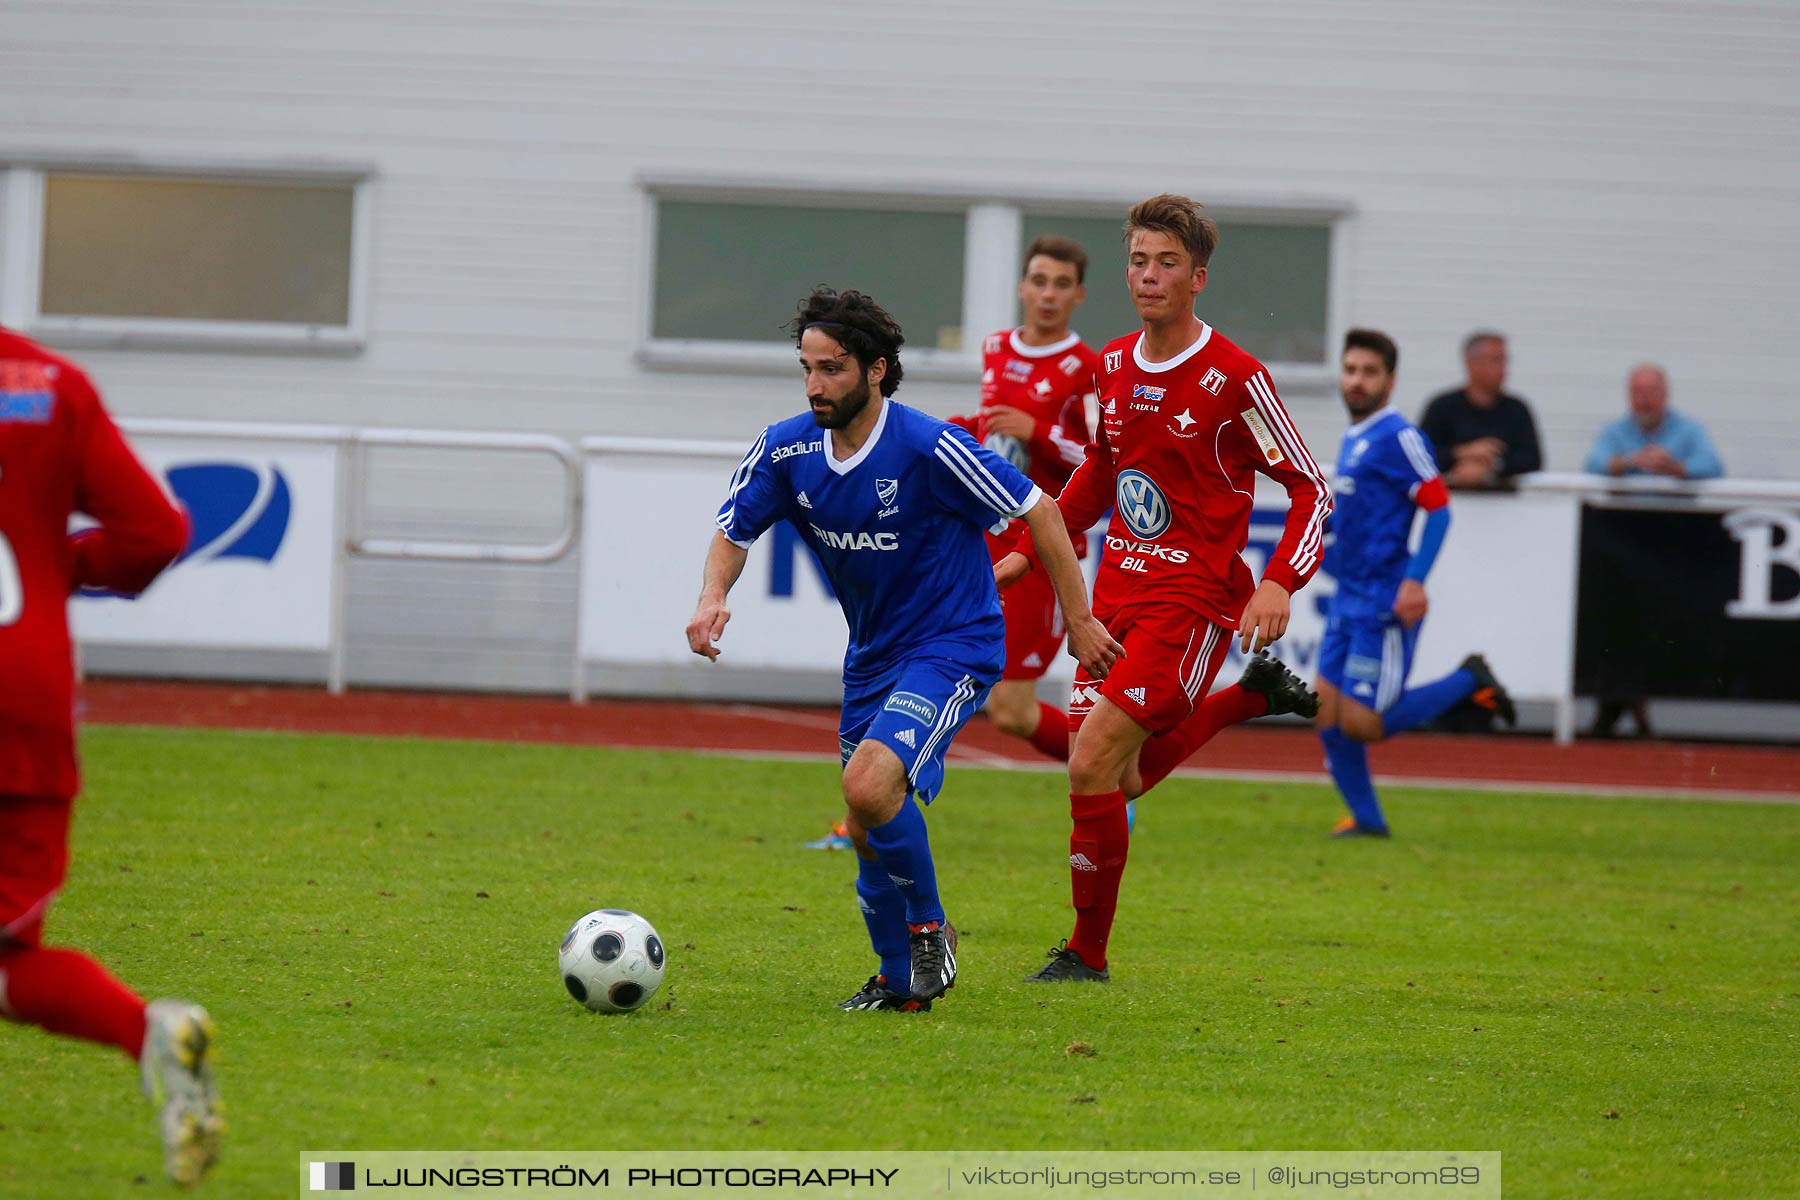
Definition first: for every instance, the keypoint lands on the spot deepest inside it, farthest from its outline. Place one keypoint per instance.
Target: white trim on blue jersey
(847, 465)
(979, 480)
(1417, 453)
(739, 478)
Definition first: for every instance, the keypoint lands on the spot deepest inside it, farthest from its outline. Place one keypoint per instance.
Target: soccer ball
(611, 960)
(1010, 448)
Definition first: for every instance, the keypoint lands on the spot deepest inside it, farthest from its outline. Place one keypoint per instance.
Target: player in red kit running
(61, 454)
(1036, 382)
(1186, 419)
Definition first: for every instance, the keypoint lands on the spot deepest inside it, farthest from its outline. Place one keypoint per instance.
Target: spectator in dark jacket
(1482, 436)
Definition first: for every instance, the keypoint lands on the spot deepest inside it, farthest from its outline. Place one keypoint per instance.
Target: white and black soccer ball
(1010, 448)
(612, 961)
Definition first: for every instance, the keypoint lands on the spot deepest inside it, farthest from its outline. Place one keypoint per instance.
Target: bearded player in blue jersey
(1385, 474)
(894, 504)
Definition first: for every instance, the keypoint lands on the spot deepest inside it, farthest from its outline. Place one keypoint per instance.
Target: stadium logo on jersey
(793, 448)
(911, 704)
(1260, 431)
(832, 539)
(1070, 364)
(1143, 505)
(1143, 391)
(1113, 359)
(236, 511)
(909, 738)
(886, 490)
(1213, 381)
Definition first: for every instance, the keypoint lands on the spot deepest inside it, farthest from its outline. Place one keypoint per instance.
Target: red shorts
(1034, 628)
(34, 859)
(1165, 673)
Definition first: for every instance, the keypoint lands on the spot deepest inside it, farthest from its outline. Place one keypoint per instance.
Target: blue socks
(884, 912)
(905, 852)
(1348, 761)
(1426, 702)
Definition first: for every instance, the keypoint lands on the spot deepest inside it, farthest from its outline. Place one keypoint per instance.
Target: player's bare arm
(1089, 643)
(724, 563)
(1265, 618)
(1010, 570)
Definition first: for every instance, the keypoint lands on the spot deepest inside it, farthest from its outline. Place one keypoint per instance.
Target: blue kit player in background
(894, 503)
(1385, 472)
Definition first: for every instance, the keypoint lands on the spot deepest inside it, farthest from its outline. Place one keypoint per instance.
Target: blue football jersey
(1381, 466)
(897, 527)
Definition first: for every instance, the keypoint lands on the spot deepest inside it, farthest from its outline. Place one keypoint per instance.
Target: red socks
(1052, 733)
(69, 993)
(1227, 706)
(1097, 849)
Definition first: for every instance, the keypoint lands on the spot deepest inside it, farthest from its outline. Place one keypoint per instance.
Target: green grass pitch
(1604, 990)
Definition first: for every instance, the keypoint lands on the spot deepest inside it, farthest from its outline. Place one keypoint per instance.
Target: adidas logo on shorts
(1034, 659)
(1082, 862)
(1136, 694)
(907, 736)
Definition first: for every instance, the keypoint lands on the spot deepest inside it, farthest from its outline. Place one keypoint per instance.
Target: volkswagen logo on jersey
(1143, 505)
(1010, 448)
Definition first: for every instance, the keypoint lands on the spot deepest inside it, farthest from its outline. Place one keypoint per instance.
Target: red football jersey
(61, 454)
(1052, 383)
(1178, 444)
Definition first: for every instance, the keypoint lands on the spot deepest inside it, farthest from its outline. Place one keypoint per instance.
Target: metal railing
(352, 445)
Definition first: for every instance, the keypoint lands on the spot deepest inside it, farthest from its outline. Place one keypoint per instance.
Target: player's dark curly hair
(1380, 343)
(859, 325)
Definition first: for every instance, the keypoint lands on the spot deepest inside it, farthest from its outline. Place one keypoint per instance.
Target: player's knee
(871, 795)
(1020, 722)
(1360, 724)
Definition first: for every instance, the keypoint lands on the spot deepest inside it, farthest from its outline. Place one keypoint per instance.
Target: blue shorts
(915, 712)
(1368, 658)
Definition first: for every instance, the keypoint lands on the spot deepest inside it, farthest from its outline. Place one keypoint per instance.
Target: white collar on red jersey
(1024, 351)
(1157, 368)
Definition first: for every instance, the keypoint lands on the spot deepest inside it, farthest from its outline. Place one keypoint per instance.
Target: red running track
(1268, 749)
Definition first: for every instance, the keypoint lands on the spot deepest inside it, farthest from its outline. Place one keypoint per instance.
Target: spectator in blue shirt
(1652, 440)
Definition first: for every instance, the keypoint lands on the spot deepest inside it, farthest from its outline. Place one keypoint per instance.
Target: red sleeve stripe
(1306, 553)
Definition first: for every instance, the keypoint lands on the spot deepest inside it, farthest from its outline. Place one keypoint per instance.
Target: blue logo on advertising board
(237, 511)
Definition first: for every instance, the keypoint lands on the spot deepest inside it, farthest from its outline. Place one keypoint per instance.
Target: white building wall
(1608, 181)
